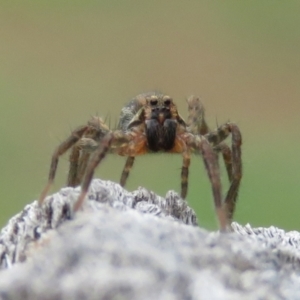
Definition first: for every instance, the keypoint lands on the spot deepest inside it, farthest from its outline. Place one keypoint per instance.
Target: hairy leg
(61, 149)
(232, 194)
(233, 161)
(87, 146)
(73, 169)
(200, 144)
(213, 171)
(227, 158)
(185, 174)
(126, 170)
(96, 158)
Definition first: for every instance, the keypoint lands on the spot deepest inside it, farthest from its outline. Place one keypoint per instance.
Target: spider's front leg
(185, 173)
(233, 161)
(232, 157)
(201, 144)
(60, 150)
(126, 170)
(120, 140)
(95, 159)
(79, 157)
(197, 125)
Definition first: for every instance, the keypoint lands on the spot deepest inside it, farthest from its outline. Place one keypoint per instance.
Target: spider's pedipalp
(196, 116)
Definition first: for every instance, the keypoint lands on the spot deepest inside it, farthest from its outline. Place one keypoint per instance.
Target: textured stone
(140, 246)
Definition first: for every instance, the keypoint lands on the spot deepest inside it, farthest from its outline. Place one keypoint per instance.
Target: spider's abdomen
(161, 137)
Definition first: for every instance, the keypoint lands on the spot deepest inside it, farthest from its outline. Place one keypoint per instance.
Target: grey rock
(138, 245)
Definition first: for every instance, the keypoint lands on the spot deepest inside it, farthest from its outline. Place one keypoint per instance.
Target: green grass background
(62, 61)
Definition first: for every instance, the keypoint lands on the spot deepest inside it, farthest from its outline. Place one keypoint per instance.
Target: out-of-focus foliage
(62, 61)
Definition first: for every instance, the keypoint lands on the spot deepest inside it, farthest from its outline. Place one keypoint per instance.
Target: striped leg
(96, 158)
(87, 146)
(197, 125)
(73, 169)
(227, 158)
(126, 170)
(196, 122)
(60, 150)
(185, 174)
(213, 171)
(231, 196)
(232, 159)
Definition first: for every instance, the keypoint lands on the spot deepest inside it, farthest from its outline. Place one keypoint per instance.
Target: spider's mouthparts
(161, 118)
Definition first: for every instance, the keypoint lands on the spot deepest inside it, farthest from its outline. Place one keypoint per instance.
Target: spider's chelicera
(151, 123)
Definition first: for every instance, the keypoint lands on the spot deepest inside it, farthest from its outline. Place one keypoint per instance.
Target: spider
(149, 123)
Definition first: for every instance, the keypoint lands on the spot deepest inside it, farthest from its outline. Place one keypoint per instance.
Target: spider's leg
(96, 158)
(210, 159)
(231, 196)
(227, 158)
(212, 167)
(196, 116)
(83, 149)
(197, 125)
(87, 146)
(61, 149)
(185, 174)
(73, 169)
(82, 165)
(126, 170)
(232, 158)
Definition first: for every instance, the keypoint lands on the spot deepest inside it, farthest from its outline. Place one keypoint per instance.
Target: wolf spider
(151, 123)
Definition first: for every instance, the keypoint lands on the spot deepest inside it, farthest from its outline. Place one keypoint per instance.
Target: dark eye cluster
(167, 102)
(153, 102)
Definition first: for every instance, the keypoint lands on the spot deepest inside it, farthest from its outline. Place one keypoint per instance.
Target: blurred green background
(63, 61)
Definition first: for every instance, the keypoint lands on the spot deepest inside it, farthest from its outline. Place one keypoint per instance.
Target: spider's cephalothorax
(158, 115)
(160, 124)
(151, 123)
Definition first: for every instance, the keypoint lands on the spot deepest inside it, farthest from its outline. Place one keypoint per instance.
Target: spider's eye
(153, 102)
(167, 102)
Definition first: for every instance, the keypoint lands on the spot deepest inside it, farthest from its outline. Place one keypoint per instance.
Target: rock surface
(140, 246)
